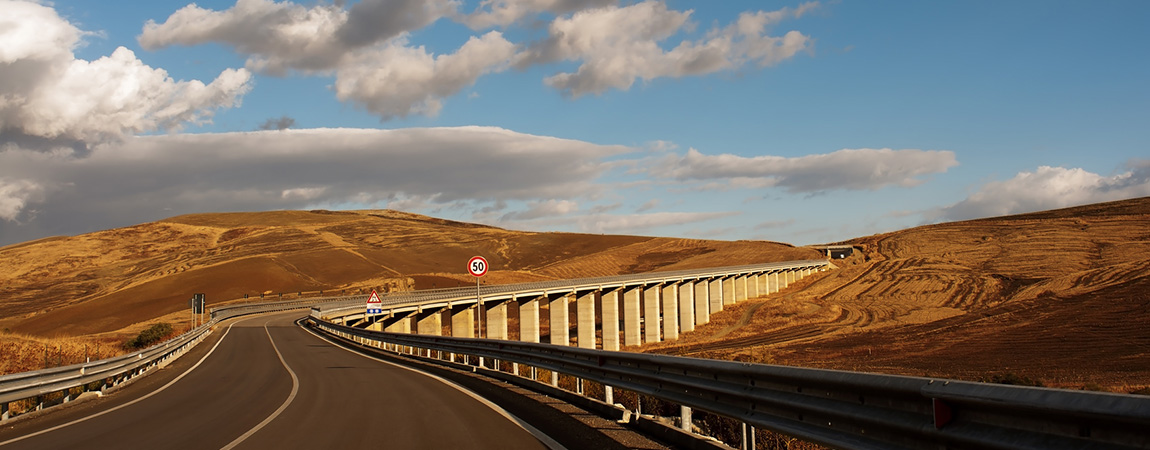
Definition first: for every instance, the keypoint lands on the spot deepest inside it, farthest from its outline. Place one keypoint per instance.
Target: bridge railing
(833, 408)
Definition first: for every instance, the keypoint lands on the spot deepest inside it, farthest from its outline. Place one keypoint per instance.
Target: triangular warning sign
(374, 304)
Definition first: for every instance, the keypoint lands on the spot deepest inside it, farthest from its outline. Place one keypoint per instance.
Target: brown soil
(105, 281)
(1062, 296)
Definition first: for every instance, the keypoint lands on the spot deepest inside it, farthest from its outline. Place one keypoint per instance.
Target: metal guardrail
(112, 372)
(833, 408)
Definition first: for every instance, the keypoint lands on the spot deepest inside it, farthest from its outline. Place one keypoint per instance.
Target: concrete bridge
(605, 313)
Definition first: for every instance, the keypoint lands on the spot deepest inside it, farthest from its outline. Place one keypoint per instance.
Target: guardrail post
(748, 437)
(3, 411)
(554, 378)
(608, 395)
(685, 418)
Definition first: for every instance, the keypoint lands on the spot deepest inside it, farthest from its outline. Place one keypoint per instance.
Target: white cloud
(47, 93)
(1049, 188)
(649, 205)
(617, 45)
(151, 177)
(397, 80)
(598, 221)
(15, 194)
(501, 13)
(279, 36)
(540, 209)
(849, 169)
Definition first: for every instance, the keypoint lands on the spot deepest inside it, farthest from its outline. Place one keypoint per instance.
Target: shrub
(1014, 379)
(150, 336)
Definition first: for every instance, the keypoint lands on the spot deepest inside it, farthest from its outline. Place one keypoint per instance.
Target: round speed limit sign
(477, 265)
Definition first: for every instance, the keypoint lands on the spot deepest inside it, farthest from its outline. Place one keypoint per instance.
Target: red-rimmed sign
(374, 305)
(477, 266)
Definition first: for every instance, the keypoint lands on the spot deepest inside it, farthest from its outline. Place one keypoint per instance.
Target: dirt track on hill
(1062, 296)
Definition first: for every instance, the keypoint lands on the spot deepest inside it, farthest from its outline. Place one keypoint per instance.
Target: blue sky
(801, 122)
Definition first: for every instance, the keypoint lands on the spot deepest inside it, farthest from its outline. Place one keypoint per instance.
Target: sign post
(374, 305)
(477, 266)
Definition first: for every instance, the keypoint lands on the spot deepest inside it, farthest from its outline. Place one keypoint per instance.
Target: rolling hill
(1061, 296)
(110, 280)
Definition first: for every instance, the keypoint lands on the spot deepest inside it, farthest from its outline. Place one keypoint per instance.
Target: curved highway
(264, 382)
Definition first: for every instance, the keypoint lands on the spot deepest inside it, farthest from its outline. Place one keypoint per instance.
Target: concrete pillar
(687, 306)
(529, 319)
(728, 291)
(702, 302)
(651, 314)
(753, 285)
(375, 326)
(788, 279)
(585, 320)
(670, 311)
(398, 323)
(610, 305)
(430, 322)
(716, 295)
(776, 282)
(463, 321)
(740, 288)
(560, 321)
(763, 285)
(631, 330)
(497, 320)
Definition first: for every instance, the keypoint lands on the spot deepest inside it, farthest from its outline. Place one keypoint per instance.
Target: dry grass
(1061, 296)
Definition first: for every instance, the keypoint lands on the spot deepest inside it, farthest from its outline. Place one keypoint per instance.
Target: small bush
(150, 336)
(1014, 379)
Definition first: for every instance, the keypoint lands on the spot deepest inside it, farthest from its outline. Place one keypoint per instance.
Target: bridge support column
(529, 320)
(728, 291)
(463, 321)
(702, 302)
(753, 286)
(687, 306)
(430, 322)
(651, 320)
(497, 321)
(715, 295)
(761, 284)
(398, 323)
(740, 288)
(631, 314)
(560, 323)
(776, 282)
(585, 317)
(670, 311)
(609, 302)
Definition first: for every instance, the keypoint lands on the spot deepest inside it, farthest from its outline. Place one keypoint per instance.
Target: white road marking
(280, 410)
(539, 435)
(125, 405)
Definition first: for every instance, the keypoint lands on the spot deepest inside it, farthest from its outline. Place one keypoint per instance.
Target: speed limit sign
(477, 265)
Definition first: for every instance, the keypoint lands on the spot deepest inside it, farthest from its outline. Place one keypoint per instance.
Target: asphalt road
(264, 382)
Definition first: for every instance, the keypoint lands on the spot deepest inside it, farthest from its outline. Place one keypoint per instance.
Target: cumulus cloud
(1049, 188)
(365, 46)
(47, 93)
(501, 13)
(848, 169)
(15, 194)
(397, 80)
(599, 221)
(617, 45)
(151, 177)
(279, 36)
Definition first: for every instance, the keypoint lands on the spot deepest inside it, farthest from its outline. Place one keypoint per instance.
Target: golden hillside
(108, 280)
(1062, 296)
